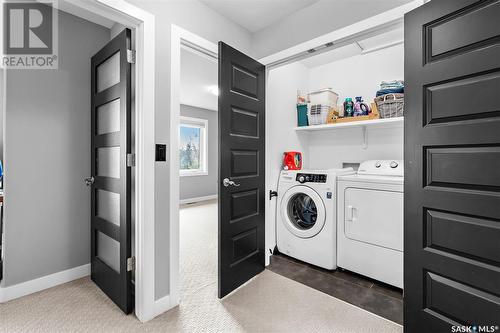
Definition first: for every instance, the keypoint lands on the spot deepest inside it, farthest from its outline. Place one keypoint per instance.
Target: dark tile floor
(381, 299)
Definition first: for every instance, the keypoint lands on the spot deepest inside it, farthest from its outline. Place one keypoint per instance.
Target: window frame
(202, 124)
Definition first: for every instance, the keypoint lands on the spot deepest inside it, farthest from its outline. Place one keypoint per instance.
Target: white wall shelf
(374, 123)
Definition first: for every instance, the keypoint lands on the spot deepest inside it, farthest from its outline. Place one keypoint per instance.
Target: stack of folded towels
(391, 87)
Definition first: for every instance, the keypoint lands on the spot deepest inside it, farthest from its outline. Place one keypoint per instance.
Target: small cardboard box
(332, 115)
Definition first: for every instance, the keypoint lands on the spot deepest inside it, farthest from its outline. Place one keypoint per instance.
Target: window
(193, 146)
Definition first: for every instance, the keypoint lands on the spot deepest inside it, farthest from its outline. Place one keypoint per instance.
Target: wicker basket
(390, 105)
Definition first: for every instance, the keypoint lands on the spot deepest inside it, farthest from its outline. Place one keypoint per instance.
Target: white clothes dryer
(306, 216)
(370, 221)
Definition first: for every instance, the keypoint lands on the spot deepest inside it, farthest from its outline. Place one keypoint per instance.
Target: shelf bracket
(365, 139)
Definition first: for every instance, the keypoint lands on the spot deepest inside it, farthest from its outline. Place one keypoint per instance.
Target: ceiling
(255, 15)
(199, 73)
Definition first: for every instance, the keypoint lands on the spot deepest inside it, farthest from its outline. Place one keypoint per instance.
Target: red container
(292, 160)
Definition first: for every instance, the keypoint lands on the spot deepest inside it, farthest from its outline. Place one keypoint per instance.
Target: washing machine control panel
(310, 178)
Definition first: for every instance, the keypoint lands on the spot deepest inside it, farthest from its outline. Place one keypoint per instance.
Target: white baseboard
(45, 282)
(198, 199)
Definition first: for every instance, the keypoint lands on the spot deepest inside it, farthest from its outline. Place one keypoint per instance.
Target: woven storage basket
(390, 105)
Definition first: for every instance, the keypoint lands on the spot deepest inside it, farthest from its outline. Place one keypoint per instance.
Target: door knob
(89, 181)
(226, 182)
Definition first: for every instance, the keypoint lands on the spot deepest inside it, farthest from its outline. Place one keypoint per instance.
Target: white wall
(329, 149)
(207, 23)
(359, 75)
(281, 118)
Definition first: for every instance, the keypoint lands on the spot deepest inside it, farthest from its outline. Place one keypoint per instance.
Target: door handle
(351, 213)
(227, 182)
(89, 181)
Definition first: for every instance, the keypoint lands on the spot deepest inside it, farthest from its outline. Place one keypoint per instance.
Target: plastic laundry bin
(324, 97)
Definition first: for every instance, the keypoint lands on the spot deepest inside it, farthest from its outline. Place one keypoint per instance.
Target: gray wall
(313, 21)
(207, 23)
(47, 146)
(200, 186)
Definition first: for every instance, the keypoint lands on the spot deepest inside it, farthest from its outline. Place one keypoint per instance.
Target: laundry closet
(353, 66)
(356, 68)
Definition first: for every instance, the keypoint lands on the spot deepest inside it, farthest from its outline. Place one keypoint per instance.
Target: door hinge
(131, 264)
(131, 56)
(130, 160)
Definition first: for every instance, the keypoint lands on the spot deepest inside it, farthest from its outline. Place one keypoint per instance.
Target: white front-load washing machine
(370, 221)
(306, 215)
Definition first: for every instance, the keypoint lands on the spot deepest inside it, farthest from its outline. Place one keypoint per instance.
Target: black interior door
(241, 168)
(452, 164)
(111, 146)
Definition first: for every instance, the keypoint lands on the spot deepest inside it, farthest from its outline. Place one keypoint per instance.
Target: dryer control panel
(382, 168)
(310, 178)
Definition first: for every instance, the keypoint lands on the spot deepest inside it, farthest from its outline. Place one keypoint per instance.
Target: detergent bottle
(361, 108)
(348, 107)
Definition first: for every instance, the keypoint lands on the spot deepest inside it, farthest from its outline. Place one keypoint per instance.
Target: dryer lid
(386, 180)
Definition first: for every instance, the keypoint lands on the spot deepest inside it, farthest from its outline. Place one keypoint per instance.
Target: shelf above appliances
(362, 124)
(373, 123)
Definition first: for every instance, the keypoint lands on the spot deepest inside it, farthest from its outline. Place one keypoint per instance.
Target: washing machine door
(302, 211)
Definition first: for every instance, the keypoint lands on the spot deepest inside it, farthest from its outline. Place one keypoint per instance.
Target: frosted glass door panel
(108, 73)
(108, 206)
(108, 162)
(108, 117)
(108, 250)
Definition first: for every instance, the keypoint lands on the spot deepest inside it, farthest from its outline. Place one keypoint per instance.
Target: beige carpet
(268, 303)
(198, 246)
